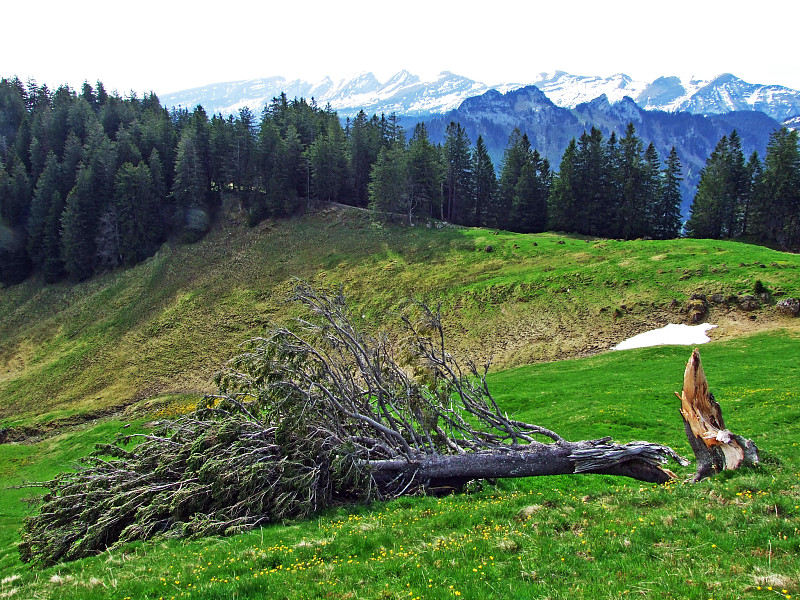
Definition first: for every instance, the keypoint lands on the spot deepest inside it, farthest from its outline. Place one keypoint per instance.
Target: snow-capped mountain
(725, 93)
(403, 93)
(409, 95)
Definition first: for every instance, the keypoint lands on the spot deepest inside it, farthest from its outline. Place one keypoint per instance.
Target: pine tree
(126, 149)
(364, 142)
(13, 112)
(53, 266)
(14, 205)
(632, 215)
(80, 119)
(138, 220)
(388, 186)
(46, 186)
(269, 175)
(515, 156)
(157, 174)
(72, 158)
(755, 174)
(88, 95)
(16, 198)
(595, 210)
(529, 206)
(722, 192)
(458, 205)
(327, 157)
(222, 153)
(188, 188)
(667, 216)
(425, 174)
(391, 131)
(778, 207)
(707, 210)
(244, 148)
(484, 185)
(652, 189)
(563, 202)
(738, 187)
(79, 222)
(297, 171)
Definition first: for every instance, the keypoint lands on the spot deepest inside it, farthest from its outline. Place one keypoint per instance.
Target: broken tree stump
(715, 448)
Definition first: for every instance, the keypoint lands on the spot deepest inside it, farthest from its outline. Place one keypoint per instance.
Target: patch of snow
(669, 335)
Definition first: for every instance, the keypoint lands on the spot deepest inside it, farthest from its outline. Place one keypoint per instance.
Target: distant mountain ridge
(408, 95)
(550, 127)
(403, 94)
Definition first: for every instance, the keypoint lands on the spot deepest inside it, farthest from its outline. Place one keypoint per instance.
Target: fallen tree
(304, 418)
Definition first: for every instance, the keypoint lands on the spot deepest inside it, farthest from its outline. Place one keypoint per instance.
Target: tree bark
(715, 448)
(437, 473)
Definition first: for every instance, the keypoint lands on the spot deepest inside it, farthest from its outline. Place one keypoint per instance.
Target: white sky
(169, 45)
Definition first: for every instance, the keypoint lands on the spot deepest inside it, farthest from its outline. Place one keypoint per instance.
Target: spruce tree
(364, 142)
(47, 184)
(529, 208)
(188, 188)
(632, 215)
(137, 208)
(652, 190)
(595, 207)
(515, 156)
(737, 187)
(425, 174)
(755, 175)
(484, 185)
(778, 208)
(327, 157)
(53, 266)
(667, 217)
(563, 202)
(707, 210)
(721, 192)
(222, 153)
(244, 149)
(458, 206)
(72, 158)
(388, 187)
(14, 204)
(79, 222)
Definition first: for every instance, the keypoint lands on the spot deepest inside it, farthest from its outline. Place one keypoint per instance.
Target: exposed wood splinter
(715, 447)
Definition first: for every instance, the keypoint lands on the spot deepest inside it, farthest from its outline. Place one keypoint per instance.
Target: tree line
(750, 199)
(90, 180)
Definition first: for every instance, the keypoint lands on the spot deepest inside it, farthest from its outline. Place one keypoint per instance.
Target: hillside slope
(159, 331)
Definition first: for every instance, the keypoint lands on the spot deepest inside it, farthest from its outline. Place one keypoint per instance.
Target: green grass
(165, 326)
(734, 536)
(78, 362)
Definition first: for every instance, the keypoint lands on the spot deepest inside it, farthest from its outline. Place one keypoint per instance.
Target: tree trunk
(438, 473)
(715, 448)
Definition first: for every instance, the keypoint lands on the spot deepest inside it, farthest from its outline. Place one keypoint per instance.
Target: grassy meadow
(80, 363)
(734, 536)
(159, 331)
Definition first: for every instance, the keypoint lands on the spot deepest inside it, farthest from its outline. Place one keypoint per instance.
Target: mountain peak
(407, 94)
(600, 102)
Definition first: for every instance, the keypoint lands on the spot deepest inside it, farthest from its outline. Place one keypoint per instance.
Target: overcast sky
(169, 45)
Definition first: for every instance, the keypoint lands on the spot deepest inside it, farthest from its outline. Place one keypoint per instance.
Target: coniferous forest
(90, 180)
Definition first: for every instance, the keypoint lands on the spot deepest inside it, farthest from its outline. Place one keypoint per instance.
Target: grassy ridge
(735, 536)
(69, 352)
